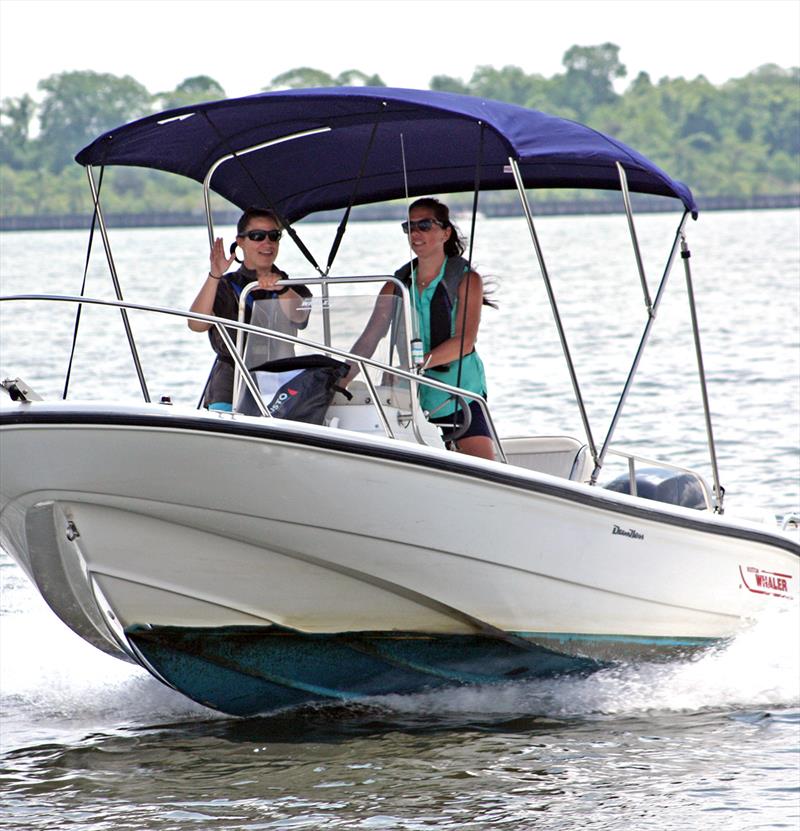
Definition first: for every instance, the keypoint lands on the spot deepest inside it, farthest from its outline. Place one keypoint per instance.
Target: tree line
(737, 139)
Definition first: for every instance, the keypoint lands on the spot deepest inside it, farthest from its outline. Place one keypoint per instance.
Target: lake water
(87, 742)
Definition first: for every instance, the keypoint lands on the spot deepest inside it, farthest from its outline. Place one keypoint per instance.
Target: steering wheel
(460, 429)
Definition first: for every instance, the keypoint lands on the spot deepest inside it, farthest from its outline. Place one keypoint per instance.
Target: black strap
(469, 258)
(343, 224)
(267, 201)
(83, 285)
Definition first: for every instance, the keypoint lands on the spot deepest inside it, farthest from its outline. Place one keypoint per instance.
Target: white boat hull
(149, 517)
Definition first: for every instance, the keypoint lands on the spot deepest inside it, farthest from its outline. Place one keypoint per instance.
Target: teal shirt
(473, 377)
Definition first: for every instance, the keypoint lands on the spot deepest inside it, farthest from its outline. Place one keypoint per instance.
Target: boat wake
(759, 669)
(54, 685)
(70, 688)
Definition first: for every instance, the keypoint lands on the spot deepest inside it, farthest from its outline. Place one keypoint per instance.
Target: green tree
(769, 99)
(598, 65)
(509, 84)
(357, 78)
(16, 146)
(305, 77)
(79, 106)
(589, 79)
(638, 119)
(447, 83)
(300, 78)
(741, 138)
(194, 90)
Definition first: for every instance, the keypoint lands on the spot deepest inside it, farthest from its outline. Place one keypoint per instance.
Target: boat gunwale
(391, 450)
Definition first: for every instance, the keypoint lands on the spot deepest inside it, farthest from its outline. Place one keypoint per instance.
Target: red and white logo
(759, 581)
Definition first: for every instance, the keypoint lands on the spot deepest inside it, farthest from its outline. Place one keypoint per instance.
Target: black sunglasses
(420, 225)
(260, 235)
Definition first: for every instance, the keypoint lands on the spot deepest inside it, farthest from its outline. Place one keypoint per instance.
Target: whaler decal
(628, 532)
(759, 581)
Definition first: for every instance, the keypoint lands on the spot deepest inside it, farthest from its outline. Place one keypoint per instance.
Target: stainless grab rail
(222, 323)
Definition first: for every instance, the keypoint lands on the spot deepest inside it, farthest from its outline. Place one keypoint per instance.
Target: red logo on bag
(291, 391)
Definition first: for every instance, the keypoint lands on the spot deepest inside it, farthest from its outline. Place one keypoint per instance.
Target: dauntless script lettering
(628, 532)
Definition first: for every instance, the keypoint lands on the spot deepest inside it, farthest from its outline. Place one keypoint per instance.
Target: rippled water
(90, 742)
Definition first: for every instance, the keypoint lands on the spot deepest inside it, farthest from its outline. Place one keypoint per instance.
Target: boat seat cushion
(562, 456)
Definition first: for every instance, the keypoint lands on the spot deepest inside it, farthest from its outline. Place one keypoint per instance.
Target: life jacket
(444, 297)
(228, 306)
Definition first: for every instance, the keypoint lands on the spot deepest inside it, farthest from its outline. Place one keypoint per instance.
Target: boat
(254, 562)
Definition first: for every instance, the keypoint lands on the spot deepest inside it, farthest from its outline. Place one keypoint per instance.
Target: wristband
(213, 277)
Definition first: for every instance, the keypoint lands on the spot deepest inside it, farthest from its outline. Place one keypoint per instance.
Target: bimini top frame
(439, 132)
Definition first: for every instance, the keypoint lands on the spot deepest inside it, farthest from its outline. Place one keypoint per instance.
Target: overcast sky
(243, 44)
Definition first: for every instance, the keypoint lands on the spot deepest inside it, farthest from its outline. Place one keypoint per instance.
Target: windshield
(352, 318)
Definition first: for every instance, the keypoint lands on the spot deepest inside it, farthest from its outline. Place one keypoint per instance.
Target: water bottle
(417, 353)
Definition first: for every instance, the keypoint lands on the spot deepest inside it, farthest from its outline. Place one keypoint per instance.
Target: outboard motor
(664, 485)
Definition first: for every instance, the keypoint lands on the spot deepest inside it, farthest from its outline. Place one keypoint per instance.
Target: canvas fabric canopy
(432, 139)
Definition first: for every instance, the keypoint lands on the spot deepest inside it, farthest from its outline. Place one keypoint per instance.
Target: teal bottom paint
(249, 670)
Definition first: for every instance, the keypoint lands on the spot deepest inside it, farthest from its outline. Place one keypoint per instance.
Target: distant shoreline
(367, 213)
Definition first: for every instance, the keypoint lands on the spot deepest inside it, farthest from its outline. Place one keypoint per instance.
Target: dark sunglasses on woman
(260, 235)
(420, 225)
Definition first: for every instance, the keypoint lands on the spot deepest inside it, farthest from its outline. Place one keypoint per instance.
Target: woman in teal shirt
(442, 284)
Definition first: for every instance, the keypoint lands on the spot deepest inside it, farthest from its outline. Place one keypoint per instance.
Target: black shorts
(477, 427)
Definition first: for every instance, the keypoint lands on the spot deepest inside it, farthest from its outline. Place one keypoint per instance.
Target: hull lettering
(758, 581)
(628, 532)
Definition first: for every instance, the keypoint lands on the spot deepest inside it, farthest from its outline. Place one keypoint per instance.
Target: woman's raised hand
(218, 262)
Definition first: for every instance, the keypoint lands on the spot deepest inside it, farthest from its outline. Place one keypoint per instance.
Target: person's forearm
(447, 352)
(204, 303)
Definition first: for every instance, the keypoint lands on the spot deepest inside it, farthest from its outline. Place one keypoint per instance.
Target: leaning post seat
(562, 456)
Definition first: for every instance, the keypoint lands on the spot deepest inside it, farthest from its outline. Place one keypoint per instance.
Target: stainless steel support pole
(626, 198)
(685, 254)
(377, 401)
(244, 152)
(109, 257)
(326, 313)
(551, 296)
(243, 370)
(642, 343)
(209, 218)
